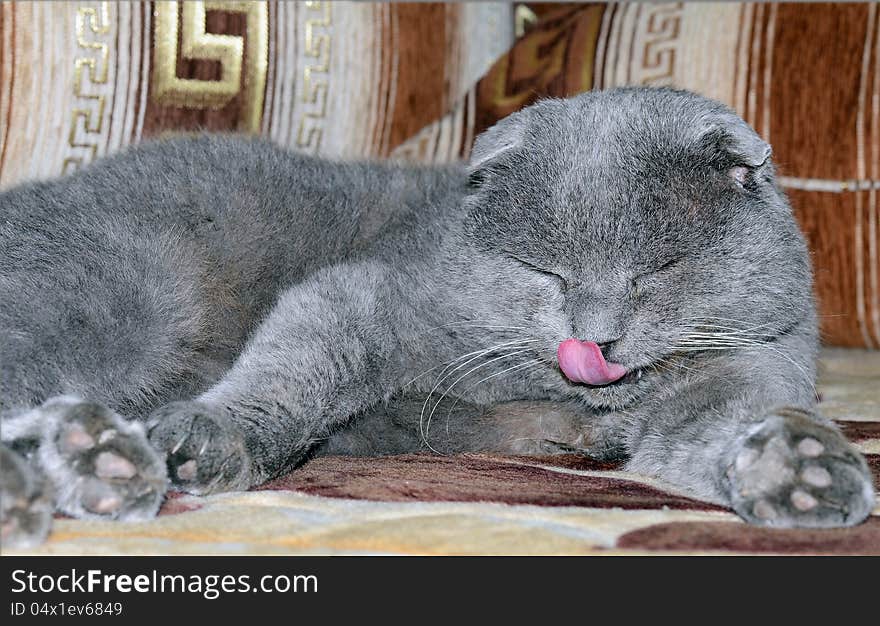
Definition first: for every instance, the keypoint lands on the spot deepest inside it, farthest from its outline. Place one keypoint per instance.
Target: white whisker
(458, 380)
(516, 344)
(742, 343)
(509, 369)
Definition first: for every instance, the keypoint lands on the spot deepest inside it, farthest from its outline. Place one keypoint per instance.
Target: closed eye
(668, 265)
(641, 278)
(563, 284)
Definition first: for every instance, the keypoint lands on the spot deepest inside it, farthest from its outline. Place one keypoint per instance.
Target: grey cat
(615, 275)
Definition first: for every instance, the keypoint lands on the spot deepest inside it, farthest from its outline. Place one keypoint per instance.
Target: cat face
(645, 221)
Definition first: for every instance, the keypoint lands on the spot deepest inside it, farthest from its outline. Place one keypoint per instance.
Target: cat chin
(615, 395)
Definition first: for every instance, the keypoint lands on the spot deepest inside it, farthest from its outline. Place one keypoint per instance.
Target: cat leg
(25, 502)
(327, 351)
(99, 465)
(532, 428)
(789, 467)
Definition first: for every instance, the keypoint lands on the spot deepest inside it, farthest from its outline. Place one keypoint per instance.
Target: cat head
(639, 220)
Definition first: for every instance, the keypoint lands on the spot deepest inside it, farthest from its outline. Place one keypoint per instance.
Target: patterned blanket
(483, 504)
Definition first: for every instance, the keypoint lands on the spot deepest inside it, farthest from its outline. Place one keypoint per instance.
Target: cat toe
(794, 472)
(101, 465)
(25, 505)
(205, 451)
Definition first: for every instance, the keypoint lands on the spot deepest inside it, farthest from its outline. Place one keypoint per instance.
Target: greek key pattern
(315, 76)
(658, 30)
(91, 66)
(243, 61)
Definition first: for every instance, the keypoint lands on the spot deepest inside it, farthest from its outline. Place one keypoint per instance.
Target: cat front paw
(793, 471)
(100, 464)
(205, 451)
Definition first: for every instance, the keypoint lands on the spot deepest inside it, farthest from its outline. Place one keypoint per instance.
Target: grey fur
(256, 306)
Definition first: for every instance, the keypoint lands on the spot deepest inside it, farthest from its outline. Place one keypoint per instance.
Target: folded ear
(744, 143)
(737, 139)
(500, 140)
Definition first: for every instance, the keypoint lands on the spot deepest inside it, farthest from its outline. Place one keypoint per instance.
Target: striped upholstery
(341, 79)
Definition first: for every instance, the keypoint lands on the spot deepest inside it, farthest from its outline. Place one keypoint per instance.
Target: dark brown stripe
(421, 71)
(470, 478)
(817, 61)
(739, 537)
(580, 57)
(871, 157)
(874, 465)
(453, 57)
(860, 431)
(827, 221)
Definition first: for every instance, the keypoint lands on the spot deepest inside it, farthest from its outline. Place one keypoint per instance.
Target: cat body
(615, 275)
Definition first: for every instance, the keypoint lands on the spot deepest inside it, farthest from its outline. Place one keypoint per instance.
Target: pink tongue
(582, 362)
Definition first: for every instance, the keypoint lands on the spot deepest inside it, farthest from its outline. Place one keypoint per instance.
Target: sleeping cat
(615, 275)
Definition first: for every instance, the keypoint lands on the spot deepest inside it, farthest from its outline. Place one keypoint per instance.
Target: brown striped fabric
(732, 537)
(805, 76)
(476, 478)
